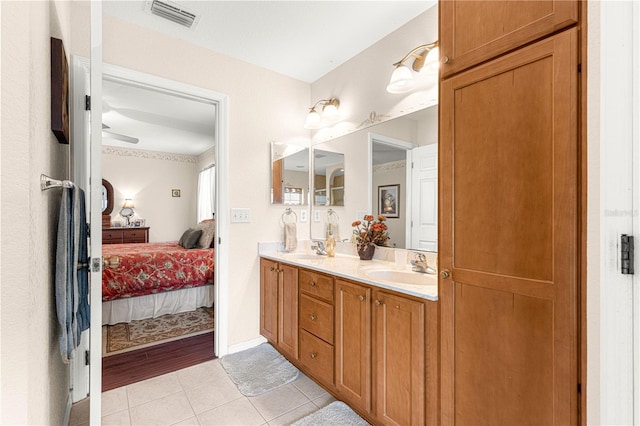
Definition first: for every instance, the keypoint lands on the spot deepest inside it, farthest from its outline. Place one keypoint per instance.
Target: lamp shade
(432, 61)
(313, 120)
(330, 113)
(401, 80)
(128, 204)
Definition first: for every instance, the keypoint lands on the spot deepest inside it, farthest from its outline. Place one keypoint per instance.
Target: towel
(290, 239)
(71, 281)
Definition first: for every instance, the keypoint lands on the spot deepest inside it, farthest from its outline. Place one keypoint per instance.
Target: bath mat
(258, 370)
(138, 334)
(337, 413)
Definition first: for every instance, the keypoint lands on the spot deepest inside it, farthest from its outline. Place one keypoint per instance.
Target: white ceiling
(300, 39)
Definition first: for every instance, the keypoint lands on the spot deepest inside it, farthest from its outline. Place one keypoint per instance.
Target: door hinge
(219, 240)
(87, 358)
(626, 254)
(579, 387)
(579, 67)
(87, 103)
(88, 230)
(95, 264)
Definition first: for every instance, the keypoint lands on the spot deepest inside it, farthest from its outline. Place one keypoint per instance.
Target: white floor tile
(120, 418)
(79, 413)
(212, 395)
(193, 421)
(308, 387)
(114, 400)
(294, 415)
(197, 375)
(148, 390)
(239, 413)
(167, 410)
(323, 401)
(279, 401)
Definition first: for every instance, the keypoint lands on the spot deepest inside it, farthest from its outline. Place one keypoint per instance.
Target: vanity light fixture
(127, 210)
(330, 114)
(426, 61)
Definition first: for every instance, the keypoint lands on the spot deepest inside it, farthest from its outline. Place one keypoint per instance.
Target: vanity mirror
(289, 174)
(379, 159)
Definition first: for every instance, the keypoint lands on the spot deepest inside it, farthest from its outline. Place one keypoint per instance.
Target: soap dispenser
(330, 245)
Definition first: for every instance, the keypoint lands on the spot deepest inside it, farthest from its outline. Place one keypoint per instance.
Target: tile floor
(203, 395)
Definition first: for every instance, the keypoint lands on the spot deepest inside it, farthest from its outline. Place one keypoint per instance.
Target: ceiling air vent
(173, 12)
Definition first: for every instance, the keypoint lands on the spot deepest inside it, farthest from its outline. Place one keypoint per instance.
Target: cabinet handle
(378, 303)
(445, 59)
(445, 274)
(313, 355)
(361, 298)
(312, 284)
(312, 317)
(272, 269)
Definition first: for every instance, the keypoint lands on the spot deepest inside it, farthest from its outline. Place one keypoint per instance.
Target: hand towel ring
(289, 215)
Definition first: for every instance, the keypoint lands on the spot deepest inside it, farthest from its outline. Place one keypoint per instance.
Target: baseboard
(67, 410)
(246, 345)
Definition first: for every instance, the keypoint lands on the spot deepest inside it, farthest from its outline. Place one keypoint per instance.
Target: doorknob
(445, 274)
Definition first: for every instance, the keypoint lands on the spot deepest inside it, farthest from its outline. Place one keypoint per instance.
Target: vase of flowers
(369, 234)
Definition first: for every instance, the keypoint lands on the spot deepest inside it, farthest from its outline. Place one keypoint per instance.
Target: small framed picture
(388, 201)
(175, 193)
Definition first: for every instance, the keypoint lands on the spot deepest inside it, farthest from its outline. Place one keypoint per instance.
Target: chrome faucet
(420, 265)
(318, 246)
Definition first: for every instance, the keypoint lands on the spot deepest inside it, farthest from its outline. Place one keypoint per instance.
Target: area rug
(258, 370)
(138, 334)
(337, 413)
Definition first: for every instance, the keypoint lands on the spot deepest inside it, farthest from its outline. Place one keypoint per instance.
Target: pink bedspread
(153, 268)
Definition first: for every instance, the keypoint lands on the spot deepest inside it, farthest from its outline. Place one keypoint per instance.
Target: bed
(151, 279)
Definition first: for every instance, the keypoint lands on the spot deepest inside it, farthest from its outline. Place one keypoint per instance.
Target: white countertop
(351, 267)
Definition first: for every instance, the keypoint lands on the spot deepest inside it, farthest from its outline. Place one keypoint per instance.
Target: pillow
(190, 238)
(208, 228)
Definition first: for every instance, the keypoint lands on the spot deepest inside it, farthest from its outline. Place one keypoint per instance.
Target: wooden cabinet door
(472, 32)
(399, 359)
(269, 300)
(288, 310)
(509, 234)
(353, 343)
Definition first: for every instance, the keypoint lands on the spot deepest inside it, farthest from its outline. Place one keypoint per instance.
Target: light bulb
(313, 120)
(330, 113)
(401, 80)
(432, 61)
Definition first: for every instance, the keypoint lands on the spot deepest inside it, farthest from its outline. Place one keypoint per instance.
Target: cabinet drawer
(111, 237)
(317, 356)
(316, 317)
(316, 284)
(133, 234)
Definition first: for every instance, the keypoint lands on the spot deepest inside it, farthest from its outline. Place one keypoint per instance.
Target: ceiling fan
(117, 136)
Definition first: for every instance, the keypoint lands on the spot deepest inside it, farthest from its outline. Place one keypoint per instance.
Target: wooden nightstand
(125, 235)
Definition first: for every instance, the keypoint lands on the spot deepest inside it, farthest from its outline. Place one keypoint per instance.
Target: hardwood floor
(130, 367)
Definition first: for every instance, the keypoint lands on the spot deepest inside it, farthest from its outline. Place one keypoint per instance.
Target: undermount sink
(302, 256)
(402, 277)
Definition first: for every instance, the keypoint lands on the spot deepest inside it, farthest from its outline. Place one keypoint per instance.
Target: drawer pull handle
(378, 303)
(312, 284)
(313, 355)
(362, 298)
(313, 317)
(272, 269)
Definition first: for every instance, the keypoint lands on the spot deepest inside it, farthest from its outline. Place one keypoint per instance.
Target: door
(472, 32)
(269, 300)
(353, 343)
(399, 359)
(509, 238)
(424, 188)
(288, 309)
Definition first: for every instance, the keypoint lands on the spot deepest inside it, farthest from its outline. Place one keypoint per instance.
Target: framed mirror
(107, 197)
(328, 178)
(289, 174)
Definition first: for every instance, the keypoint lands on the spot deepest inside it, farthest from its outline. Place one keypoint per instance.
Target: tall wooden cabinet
(509, 205)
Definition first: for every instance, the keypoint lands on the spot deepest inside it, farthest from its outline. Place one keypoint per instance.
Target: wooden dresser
(125, 235)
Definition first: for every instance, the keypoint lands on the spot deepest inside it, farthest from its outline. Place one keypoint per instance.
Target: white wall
(35, 383)
(148, 178)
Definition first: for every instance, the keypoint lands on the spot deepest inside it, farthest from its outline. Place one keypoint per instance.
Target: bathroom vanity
(352, 326)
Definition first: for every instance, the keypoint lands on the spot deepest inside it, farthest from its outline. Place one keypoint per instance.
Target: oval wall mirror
(107, 197)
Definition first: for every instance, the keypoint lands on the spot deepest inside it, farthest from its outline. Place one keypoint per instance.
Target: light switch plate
(240, 215)
(316, 216)
(303, 215)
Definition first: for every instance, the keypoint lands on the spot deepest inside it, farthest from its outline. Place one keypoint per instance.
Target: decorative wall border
(393, 165)
(149, 155)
